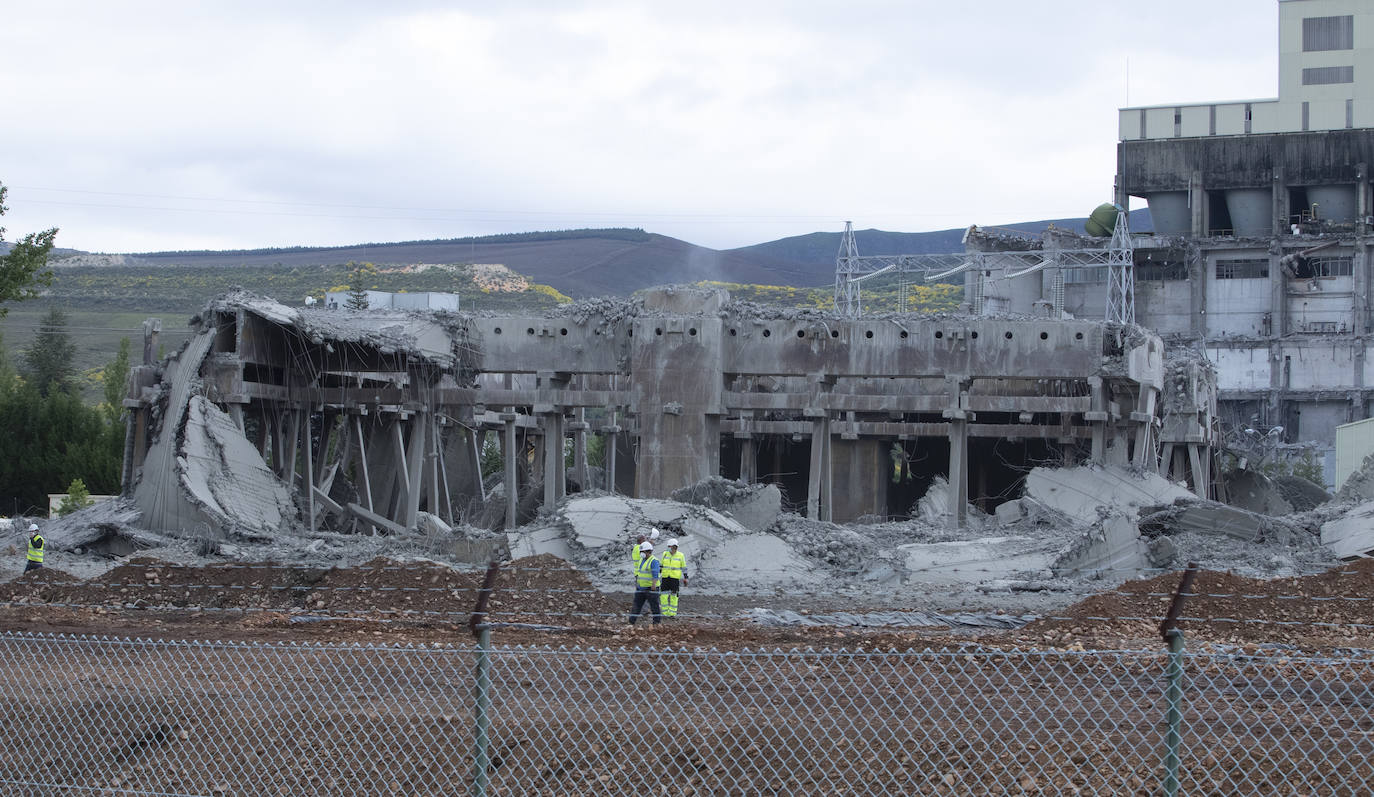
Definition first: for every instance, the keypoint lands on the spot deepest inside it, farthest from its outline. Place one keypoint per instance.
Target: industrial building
(1262, 228)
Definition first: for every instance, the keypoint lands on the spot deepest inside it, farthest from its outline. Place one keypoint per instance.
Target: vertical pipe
(1173, 695)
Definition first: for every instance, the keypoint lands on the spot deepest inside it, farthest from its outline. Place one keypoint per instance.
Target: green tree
(51, 440)
(48, 363)
(115, 379)
(78, 497)
(25, 268)
(360, 277)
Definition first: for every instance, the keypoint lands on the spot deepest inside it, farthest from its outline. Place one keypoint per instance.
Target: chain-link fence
(91, 715)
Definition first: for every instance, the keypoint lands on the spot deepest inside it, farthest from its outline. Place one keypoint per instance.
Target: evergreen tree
(115, 380)
(48, 364)
(360, 275)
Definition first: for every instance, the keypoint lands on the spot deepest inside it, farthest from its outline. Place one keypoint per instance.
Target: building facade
(1262, 228)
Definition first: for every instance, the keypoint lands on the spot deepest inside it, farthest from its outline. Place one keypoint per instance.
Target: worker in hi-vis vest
(36, 546)
(634, 549)
(647, 571)
(674, 570)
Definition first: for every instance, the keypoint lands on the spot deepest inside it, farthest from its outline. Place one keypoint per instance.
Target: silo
(1170, 212)
(1335, 203)
(1251, 210)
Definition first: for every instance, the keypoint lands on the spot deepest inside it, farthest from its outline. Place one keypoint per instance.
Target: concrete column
(1281, 211)
(1144, 420)
(748, 461)
(818, 493)
(554, 468)
(415, 463)
(580, 448)
(1359, 270)
(958, 471)
(610, 434)
(1097, 418)
(1197, 200)
(512, 478)
(327, 418)
(236, 414)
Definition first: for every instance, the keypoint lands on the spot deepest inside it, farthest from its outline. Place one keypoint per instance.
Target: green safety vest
(673, 564)
(36, 548)
(644, 573)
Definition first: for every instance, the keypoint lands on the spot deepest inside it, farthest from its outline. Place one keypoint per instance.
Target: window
(1328, 33)
(1247, 269)
(1326, 75)
(1313, 267)
(1160, 271)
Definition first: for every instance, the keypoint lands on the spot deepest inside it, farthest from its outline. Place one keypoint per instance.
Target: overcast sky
(139, 126)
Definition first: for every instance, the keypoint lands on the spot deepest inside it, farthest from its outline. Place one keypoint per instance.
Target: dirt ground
(543, 600)
(856, 723)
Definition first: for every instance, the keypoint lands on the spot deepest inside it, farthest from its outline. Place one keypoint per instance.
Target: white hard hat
(646, 546)
(672, 542)
(33, 527)
(653, 535)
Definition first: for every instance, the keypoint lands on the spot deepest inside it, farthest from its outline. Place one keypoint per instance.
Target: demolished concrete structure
(366, 420)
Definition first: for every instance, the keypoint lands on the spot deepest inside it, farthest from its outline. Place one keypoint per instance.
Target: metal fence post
(1173, 692)
(481, 712)
(481, 756)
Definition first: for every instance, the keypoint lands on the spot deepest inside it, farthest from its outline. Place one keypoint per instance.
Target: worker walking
(36, 546)
(674, 569)
(647, 574)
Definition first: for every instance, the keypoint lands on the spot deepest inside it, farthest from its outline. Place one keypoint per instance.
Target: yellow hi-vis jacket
(36, 548)
(673, 564)
(645, 575)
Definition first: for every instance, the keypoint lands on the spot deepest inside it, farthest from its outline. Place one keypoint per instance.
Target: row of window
(1328, 33)
(1232, 269)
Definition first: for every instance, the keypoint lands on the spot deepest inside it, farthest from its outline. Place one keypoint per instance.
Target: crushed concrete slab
(754, 506)
(972, 561)
(1114, 545)
(602, 520)
(1209, 517)
(225, 476)
(1352, 535)
(1087, 492)
(756, 557)
(1255, 492)
(549, 540)
(1359, 486)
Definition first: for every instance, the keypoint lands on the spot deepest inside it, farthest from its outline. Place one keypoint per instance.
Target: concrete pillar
(512, 478)
(610, 435)
(415, 462)
(1144, 421)
(1281, 211)
(818, 494)
(748, 460)
(1197, 201)
(554, 468)
(676, 396)
(366, 492)
(1359, 270)
(478, 438)
(1097, 418)
(579, 428)
(958, 471)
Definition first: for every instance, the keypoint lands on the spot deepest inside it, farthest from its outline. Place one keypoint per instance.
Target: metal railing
(172, 717)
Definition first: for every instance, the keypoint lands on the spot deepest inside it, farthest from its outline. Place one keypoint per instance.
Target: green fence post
(481, 692)
(1173, 691)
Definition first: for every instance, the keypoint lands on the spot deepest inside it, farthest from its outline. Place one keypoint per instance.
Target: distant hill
(577, 262)
(582, 263)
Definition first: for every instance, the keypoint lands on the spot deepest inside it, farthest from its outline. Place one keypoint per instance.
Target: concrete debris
(1301, 494)
(225, 477)
(1113, 546)
(1088, 492)
(973, 561)
(1352, 535)
(754, 506)
(1206, 517)
(1255, 492)
(1359, 486)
